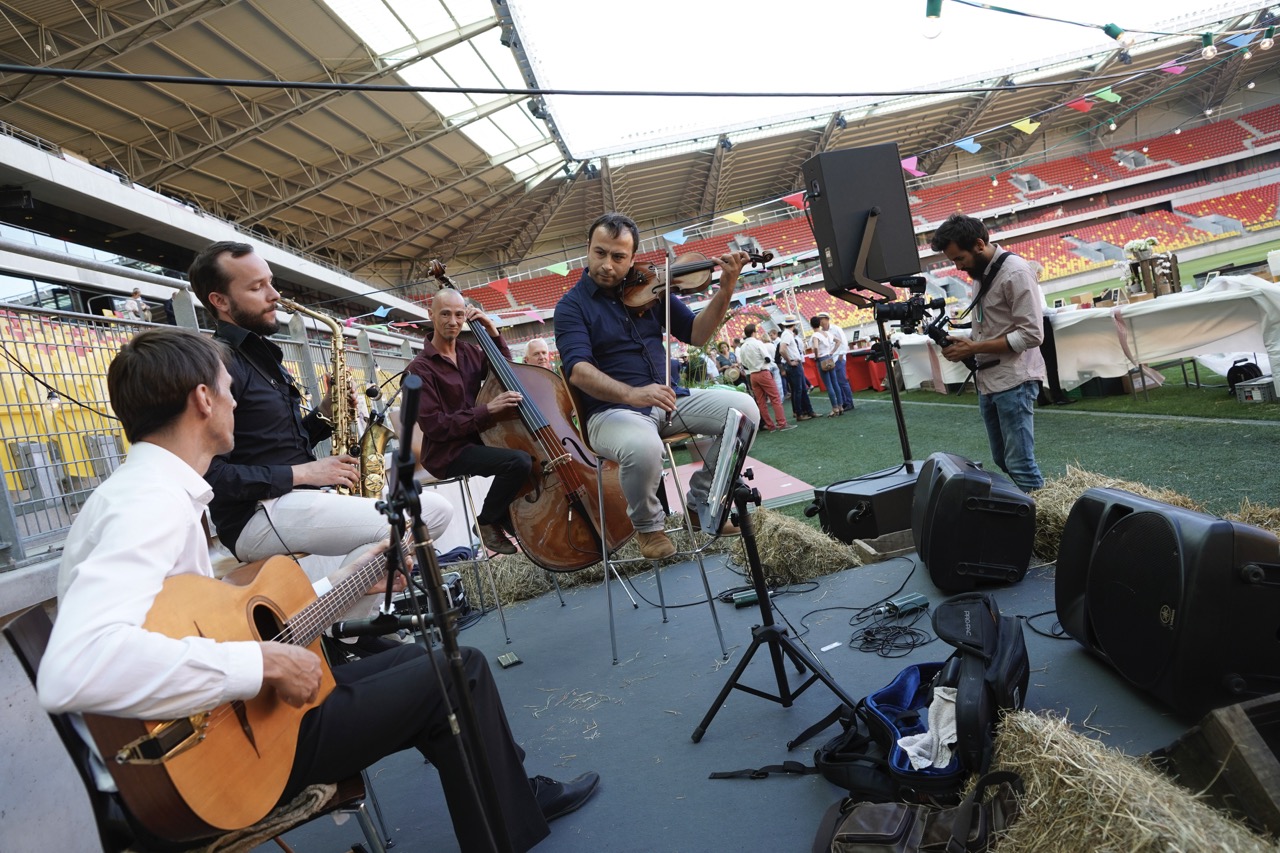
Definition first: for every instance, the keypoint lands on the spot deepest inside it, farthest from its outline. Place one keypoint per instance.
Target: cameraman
(1007, 315)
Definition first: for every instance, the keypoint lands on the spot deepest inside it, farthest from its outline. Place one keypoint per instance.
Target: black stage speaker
(1183, 604)
(868, 507)
(971, 527)
(843, 187)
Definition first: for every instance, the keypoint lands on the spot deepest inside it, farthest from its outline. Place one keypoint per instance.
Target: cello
(556, 515)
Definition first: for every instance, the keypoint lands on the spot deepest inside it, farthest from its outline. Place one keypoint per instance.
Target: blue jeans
(800, 404)
(838, 387)
(1011, 432)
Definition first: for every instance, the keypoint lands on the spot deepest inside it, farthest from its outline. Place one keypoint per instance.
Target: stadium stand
(1255, 208)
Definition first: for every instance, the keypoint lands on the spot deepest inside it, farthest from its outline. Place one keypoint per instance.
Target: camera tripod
(768, 633)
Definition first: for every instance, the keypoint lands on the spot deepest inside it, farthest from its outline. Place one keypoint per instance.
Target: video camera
(909, 313)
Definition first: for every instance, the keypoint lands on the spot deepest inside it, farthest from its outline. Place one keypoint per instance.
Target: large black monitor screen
(843, 187)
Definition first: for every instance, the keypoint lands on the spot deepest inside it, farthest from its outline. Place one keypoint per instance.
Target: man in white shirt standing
(791, 350)
(756, 358)
(172, 392)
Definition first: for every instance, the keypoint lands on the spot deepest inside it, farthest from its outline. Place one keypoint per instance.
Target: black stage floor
(573, 710)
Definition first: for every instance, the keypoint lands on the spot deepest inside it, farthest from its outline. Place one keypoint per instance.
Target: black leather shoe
(557, 799)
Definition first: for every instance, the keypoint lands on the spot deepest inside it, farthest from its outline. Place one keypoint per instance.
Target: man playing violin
(615, 356)
(451, 419)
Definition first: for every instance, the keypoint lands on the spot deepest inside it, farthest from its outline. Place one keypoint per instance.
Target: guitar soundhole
(267, 623)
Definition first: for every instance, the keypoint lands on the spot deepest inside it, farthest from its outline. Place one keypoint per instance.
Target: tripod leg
(724, 691)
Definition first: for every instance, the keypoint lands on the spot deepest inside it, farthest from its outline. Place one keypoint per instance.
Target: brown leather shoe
(495, 539)
(655, 545)
(726, 529)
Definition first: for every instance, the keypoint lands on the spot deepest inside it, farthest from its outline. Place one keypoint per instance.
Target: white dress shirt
(754, 355)
(141, 526)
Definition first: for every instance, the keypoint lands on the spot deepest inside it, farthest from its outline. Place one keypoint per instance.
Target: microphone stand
(404, 499)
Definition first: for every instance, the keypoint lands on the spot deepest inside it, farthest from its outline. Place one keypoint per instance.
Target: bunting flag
(969, 145)
(382, 311)
(1027, 125)
(795, 199)
(1107, 95)
(1241, 40)
(737, 218)
(502, 285)
(675, 238)
(535, 315)
(1170, 68)
(559, 269)
(768, 285)
(1081, 104)
(349, 322)
(909, 166)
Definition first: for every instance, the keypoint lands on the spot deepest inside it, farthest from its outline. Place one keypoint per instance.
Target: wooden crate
(1233, 756)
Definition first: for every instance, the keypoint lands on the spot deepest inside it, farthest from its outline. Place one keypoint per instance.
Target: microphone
(383, 623)
(373, 392)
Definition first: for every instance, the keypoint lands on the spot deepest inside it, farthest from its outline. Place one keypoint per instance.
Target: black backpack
(989, 671)
(1241, 370)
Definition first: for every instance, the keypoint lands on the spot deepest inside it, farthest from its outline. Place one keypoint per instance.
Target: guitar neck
(311, 621)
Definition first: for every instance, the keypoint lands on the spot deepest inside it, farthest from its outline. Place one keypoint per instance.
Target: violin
(690, 274)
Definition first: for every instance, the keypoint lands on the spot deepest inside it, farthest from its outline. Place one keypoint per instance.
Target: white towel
(932, 748)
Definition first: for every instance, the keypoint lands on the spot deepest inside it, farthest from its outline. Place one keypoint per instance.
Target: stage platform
(573, 711)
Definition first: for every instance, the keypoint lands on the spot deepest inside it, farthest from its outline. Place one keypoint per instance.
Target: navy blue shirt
(271, 433)
(593, 325)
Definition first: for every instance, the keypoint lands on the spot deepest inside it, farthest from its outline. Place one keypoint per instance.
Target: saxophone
(369, 447)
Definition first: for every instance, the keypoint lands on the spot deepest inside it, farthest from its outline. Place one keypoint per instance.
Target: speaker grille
(1134, 595)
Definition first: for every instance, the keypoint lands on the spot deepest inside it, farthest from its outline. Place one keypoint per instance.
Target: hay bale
(1054, 502)
(793, 549)
(1258, 515)
(1084, 796)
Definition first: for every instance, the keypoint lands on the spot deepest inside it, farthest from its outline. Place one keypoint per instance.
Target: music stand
(768, 633)
(734, 442)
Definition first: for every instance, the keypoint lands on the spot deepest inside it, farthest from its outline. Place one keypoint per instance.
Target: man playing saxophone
(267, 492)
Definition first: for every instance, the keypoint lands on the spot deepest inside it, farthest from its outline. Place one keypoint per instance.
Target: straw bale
(1054, 502)
(1083, 797)
(1268, 518)
(793, 549)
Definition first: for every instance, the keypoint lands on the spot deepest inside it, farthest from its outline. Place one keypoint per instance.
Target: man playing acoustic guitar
(140, 531)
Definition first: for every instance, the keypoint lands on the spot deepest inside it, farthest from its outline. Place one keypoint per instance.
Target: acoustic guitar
(226, 768)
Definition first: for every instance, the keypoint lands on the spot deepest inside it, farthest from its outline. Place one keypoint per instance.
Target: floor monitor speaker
(868, 507)
(971, 527)
(1184, 605)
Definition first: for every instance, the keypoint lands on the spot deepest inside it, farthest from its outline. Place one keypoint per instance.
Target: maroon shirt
(448, 414)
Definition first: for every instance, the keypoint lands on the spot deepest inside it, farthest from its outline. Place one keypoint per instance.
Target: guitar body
(235, 775)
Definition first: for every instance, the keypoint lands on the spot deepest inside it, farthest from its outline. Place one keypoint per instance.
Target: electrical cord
(1055, 632)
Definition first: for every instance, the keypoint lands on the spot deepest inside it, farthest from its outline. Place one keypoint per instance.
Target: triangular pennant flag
(1170, 68)
(674, 237)
(502, 285)
(969, 145)
(349, 322)
(1080, 104)
(1107, 95)
(559, 269)
(737, 218)
(1241, 40)
(768, 285)
(535, 315)
(382, 311)
(1027, 125)
(795, 199)
(909, 165)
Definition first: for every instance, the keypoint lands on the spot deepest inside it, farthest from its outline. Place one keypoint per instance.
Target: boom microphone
(383, 623)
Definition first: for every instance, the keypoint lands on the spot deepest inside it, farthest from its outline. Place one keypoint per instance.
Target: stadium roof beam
(970, 116)
(121, 33)
(822, 142)
(433, 193)
(339, 171)
(711, 186)
(1228, 72)
(497, 194)
(606, 185)
(230, 139)
(536, 220)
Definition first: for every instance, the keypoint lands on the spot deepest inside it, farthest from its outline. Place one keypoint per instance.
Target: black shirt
(271, 433)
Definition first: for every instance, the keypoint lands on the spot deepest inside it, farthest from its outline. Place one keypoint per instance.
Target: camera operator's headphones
(988, 278)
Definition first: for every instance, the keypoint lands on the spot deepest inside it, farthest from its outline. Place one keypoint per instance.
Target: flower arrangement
(1139, 249)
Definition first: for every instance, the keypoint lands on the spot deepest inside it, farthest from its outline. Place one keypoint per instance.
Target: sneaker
(557, 799)
(495, 539)
(785, 427)
(655, 545)
(727, 529)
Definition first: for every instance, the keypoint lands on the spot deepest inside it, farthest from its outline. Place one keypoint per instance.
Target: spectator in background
(791, 352)
(135, 307)
(727, 364)
(756, 359)
(537, 353)
(840, 374)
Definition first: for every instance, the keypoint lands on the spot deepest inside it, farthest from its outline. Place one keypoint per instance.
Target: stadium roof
(382, 182)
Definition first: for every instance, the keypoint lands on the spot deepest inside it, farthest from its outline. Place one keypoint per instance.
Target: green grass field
(1198, 441)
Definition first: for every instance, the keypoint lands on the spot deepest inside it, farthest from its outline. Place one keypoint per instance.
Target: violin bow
(666, 327)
